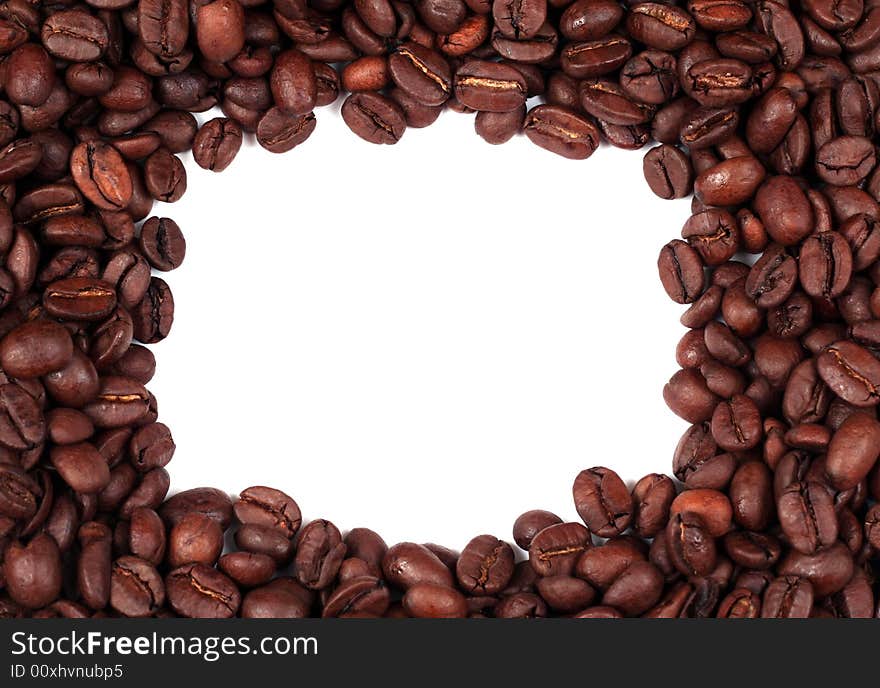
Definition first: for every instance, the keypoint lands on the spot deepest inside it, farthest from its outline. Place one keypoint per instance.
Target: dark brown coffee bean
(664, 27)
(162, 243)
(165, 176)
(602, 501)
(319, 554)
(490, 86)
(154, 315)
(374, 118)
(216, 144)
(136, 588)
(668, 172)
(408, 564)
(268, 507)
(555, 550)
(485, 566)
(562, 132)
(33, 572)
(198, 591)
(36, 348)
(681, 272)
(787, 597)
(220, 29)
(690, 547)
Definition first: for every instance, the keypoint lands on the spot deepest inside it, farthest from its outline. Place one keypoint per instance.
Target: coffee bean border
(766, 110)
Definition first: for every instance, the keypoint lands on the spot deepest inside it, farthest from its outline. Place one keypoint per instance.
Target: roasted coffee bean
(319, 554)
(530, 524)
(154, 315)
(279, 132)
(485, 566)
(595, 58)
(220, 29)
(806, 514)
(265, 506)
(136, 588)
(79, 298)
(787, 597)
(194, 539)
(22, 425)
(562, 132)
(652, 496)
(198, 591)
(853, 451)
(668, 172)
(165, 176)
(659, 26)
(555, 550)
(490, 86)
(422, 73)
(681, 272)
(35, 348)
(99, 171)
(606, 100)
(846, 160)
(691, 548)
(32, 572)
(603, 501)
(374, 118)
(162, 243)
(408, 564)
(851, 372)
(216, 144)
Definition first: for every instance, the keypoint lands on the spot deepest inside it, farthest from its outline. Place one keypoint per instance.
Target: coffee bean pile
(766, 111)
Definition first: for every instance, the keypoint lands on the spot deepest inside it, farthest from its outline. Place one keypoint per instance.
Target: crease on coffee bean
(422, 67)
(225, 600)
(487, 82)
(673, 20)
(539, 123)
(131, 575)
(281, 518)
(717, 120)
(376, 119)
(852, 372)
(550, 553)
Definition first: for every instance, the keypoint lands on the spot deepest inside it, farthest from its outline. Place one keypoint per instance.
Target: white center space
(425, 339)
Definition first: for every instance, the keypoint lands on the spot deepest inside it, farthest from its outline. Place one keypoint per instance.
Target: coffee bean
(530, 524)
(198, 591)
(220, 29)
(216, 144)
(851, 372)
(555, 550)
(490, 86)
(408, 564)
(268, 507)
(32, 572)
(603, 501)
(690, 547)
(136, 588)
(787, 597)
(853, 451)
(319, 554)
(22, 425)
(100, 173)
(374, 118)
(668, 172)
(562, 132)
(825, 265)
(485, 566)
(681, 272)
(36, 348)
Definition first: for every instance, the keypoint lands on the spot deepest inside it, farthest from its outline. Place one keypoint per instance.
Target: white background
(426, 339)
